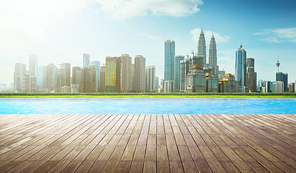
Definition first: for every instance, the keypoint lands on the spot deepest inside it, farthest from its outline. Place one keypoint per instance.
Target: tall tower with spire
(240, 66)
(202, 47)
(213, 55)
(278, 64)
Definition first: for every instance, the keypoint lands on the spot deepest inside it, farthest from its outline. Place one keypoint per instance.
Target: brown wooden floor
(148, 143)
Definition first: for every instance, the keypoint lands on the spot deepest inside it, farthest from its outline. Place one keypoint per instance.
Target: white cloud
(208, 35)
(278, 35)
(151, 36)
(123, 9)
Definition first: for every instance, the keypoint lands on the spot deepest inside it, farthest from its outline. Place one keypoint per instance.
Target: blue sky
(61, 31)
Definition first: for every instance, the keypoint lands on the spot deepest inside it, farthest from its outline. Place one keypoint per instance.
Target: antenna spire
(278, 63)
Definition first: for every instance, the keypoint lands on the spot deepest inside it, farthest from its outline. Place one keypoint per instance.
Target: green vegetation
(148, 95)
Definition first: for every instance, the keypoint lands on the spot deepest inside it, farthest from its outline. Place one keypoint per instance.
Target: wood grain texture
(148, 143)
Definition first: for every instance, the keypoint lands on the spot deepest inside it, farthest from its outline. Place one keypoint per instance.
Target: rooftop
(196, 66)
(228, 75)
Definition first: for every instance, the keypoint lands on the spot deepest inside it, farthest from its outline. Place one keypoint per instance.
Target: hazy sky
(61, 31)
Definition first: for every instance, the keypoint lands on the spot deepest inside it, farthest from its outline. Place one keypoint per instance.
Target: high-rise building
(156, 83)
(77, 77)
(57, 87)
(292, 87)
(29, 84)
(126, 73)
(113, 78)
(140, 73)
(33, 65)
(20, 71)
(102, 78)
(133, 76)
(86, 60)
(168, 86)
(169, 54)
(183, 73)
(195, 59)
(177, 73)
(278, 86)
(196, 79)
(211, 83)
(89, 79)
(76, 70)
(256, 81)
(41, 78)
(250, 83)
(97, 63)
(213, 56)
(240, 66)
(50, 78)
(268, 87)
(65, 71)
(201, 48)
(261, 84)
(221, 74)
(280, 76)
(250, 61)
(150, 78)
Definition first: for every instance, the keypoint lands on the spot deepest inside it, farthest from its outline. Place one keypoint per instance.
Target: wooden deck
(148, 143)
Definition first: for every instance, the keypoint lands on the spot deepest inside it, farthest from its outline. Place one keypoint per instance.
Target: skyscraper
(280, 76)
(65, 74)
(102, 78)
(89, 79)
(86, 60)
(113, 76)
(126, 73)
(156, 83)
(213, 56)
(50, 78)
(150, 78)
(97, 63)
(201, 48)
(57, 87)
(177, 73)
(29, 84)
(75, 78)
(240, 66)
(140, 73)
(250, 61)
(41, 78)
(20, 71)
(33, 65)
(278, 86)
(183, 73)
(169, 48)
(133, 76)
(251, 78)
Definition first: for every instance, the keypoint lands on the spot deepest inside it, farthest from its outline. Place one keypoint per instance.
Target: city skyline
(62, 35)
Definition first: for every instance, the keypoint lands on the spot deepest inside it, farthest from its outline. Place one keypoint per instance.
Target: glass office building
(240, 66)
(169, 55)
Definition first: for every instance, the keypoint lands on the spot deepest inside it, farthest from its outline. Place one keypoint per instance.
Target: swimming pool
(147, 106)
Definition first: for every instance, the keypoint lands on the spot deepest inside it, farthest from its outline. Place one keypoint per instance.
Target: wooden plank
(157, 143)
(149, 166)
(137, 166)
(114, 160)
(124, 166)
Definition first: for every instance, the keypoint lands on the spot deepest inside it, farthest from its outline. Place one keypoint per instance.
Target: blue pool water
(147, 106)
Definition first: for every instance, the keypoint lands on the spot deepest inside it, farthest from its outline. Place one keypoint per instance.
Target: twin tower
(170, 56)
